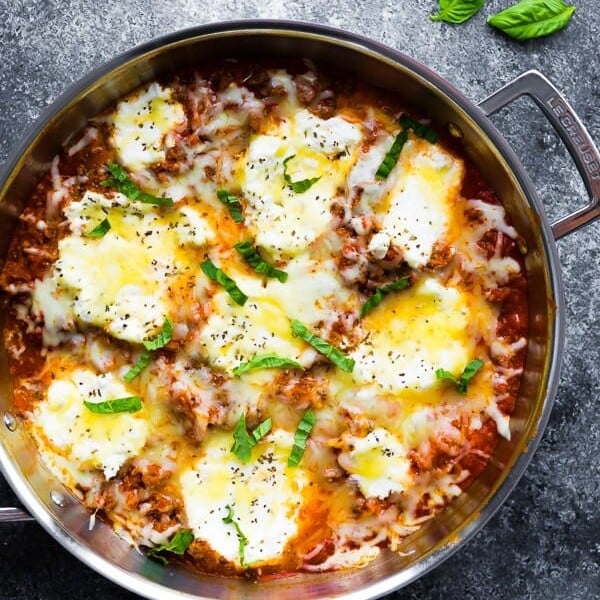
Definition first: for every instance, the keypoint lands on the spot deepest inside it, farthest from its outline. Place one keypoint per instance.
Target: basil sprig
(381, 292)
(300, 438)
(250, 254)
(242, 539)
(160, 341)
(531, 19)
(325, 348)
(217, 275)
(129, 404)
(265, 361)
(462, 381)
(243, 442)
(178, 544)
(234, 206)
(297, 186)
(125, 185)
(99, 231)
(457, 11)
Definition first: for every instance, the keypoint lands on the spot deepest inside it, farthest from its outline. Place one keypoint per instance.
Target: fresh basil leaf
(457, 11)
(392, 155)
(125, 185)
(178, 544)
(530, 19)
(300, 437)
(462, 381)
(243, 442)
(262, 429)
(380, 293)
(250, 254)
(217, 275)
(297, 186)
(419, 129)
(325, 348)
(242, 539)
(468, 373)
(142, 362)
(162, 338)
(130, 404)
(265, 361)
(442, 374)
(100, 230)
(234, 206)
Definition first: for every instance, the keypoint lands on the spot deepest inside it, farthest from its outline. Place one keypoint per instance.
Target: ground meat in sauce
(34, 249)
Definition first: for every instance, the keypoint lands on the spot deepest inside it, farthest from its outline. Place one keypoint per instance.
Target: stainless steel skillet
(63, 517)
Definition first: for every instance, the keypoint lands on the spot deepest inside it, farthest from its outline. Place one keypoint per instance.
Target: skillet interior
(417, 86)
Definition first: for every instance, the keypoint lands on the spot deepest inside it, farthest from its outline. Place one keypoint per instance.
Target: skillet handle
(11, 515)
(571, 131)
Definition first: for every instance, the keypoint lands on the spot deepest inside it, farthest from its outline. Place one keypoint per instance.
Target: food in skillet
(265, 319)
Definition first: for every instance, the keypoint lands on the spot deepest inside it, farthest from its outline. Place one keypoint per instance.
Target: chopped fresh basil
(178, 544)
(130, 404)
(392, 155)
(325, 348)
(125, 185)
(457, 11)
(250, 254)
(242, 539)
(462, 381)
(265, 361)
(216, 274)
(419, 129)
(160, 341)
(162, 338)
(262, 429)
(297, 186)
(300, 437)
(100, 230)
(380, 293)
(142, 362)
(531, 19)
(243, 442)
(234, 206)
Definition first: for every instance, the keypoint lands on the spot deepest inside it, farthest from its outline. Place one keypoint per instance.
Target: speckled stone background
(545, 542)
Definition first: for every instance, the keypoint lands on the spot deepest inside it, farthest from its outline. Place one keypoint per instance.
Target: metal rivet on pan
(58, 498)
(10, 421)
(455, 131)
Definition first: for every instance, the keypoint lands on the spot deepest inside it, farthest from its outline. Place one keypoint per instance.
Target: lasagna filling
(264, 320)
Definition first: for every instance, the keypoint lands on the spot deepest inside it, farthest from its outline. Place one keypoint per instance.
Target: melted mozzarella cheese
(377, 462)
(141, 123)
(286, 222)
(126, 281)
(403, 345)
(265, 495)
(72, 436)
(313, 292)
(496, 269)
(55, 307)
(361, 184)
(418, 209)
(234, 334)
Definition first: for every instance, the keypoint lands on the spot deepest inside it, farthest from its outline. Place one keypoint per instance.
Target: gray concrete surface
(544, 544)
